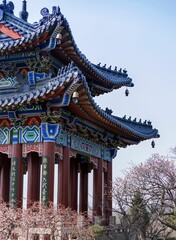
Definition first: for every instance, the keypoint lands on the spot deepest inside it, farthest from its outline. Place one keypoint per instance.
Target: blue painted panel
(49, 131)
(15, 136)
(85, 146)
(62, 139)
(30, 134)
(33, 77)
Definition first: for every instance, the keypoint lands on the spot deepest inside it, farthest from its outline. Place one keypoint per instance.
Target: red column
(48, 162)
(107, 192)
(33, 190)
(66, 200)
(83, 201)
(5, 178)
(97, 189)
(16, 181)
(74, 183)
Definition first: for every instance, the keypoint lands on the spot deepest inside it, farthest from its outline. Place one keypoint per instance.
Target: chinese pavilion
(48, 115)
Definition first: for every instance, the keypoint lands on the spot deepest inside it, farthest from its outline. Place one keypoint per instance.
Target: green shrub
(98, 230)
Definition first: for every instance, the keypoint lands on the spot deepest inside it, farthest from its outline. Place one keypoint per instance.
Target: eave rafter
(9, 32)
(129, 131)
(105, 79)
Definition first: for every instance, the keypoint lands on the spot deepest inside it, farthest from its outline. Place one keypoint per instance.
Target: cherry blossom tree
(50, 222)
(10, 219)
(155, 179)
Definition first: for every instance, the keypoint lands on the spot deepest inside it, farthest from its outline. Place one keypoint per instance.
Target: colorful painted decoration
(8, 82)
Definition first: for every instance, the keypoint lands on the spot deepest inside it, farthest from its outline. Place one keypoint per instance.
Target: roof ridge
(19, 22)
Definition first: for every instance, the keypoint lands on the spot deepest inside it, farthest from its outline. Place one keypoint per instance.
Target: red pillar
(107, 192)
(74, 182)
(66, 200)
(83, 205)
(33, 190)
(5, 178)
(48, 162)
(97, 189)
(16, 180)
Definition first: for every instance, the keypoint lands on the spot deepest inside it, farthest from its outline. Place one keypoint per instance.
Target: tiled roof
(127, 127)
(29, 34)
(104, 79)
(69, 80)
(43, 88)
(100, 79)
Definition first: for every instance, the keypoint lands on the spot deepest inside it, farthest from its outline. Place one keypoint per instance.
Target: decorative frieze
(86, 146)
(90, 148)
(32, 147)
(63, 139)
(49, 131)
(18, 56)
(6, 149)
(4, 136)
(8, 82)
(30, 109)
(32, 137)
(30, 134)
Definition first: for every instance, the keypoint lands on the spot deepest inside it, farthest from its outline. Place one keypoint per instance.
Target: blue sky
(139, 36)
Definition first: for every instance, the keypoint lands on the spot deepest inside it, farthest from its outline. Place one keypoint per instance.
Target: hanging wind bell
(153, 144)
(126, 92)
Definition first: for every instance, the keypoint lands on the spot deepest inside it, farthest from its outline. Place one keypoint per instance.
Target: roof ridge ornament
(24, 14)
(56, 10)
(45, 11)
(4, 7)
